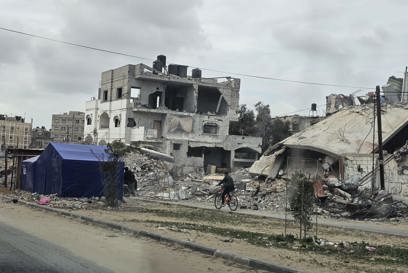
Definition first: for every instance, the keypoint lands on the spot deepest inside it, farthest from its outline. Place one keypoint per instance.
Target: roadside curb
(242, 260)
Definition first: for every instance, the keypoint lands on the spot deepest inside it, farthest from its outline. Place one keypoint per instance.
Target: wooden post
(5, 168)
(12, 173)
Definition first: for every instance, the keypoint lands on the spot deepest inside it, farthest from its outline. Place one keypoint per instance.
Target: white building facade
(163, 108)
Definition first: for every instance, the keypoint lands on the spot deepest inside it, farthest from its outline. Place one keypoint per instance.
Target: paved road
(21, 252)
(37, 241)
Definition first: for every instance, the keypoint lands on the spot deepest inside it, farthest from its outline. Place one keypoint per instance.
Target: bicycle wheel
(218, 201)
(233, 204)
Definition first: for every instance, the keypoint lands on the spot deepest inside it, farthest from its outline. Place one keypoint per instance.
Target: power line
(73, 44)
(302, 110)
(207, 69)
(287, 80)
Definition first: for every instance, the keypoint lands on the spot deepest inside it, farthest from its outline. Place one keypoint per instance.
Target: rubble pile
(346, 199)
(61, 203)
(398, 154)
(155, 180)
(152, 175)
(261, 195)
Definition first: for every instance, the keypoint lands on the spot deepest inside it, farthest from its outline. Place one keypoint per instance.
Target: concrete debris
(351, 184)
(54, 201)
(332, 181)
(398, 155)
(158, 155)
(347, 200)
(260, 195)
(345, 195)
(337, 198)
(370, 248)
(153, 175)
(155, 180)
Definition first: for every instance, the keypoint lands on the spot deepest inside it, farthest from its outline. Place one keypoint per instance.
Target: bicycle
(230, 199)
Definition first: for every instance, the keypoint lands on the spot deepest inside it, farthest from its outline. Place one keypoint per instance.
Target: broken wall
(180, 97)
(223, 95)
(148, 88)
(152, 122)
(191, 127)
(111, 80)
(357, 164)
(396, 179)
(217, 156)
(184, 162)
(308, 162)
(176, 124)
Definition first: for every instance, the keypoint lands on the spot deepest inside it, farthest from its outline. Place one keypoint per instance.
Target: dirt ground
(176, 221)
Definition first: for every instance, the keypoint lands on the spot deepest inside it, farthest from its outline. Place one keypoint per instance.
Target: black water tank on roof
(172, 69)
(182, 71)
(162, 60)
(314, 107)
(196, 73)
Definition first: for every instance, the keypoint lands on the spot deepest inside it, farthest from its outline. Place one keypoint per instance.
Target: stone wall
(396, 182)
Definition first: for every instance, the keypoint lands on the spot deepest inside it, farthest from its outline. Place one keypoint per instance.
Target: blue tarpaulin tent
(27, 176)
(71, 170)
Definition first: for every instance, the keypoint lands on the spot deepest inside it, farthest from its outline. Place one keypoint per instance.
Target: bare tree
(110, 171)
(301, 200)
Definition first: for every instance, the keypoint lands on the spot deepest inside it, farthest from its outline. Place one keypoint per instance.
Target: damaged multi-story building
(68, 127)
(40, 137)
(164, 108)
(344, 145)
(14, 132)
(297, 123)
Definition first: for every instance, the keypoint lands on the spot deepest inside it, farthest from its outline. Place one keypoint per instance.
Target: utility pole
(380, 148)
(373, 167)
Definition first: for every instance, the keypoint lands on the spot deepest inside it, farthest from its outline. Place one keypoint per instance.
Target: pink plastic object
(44, 200)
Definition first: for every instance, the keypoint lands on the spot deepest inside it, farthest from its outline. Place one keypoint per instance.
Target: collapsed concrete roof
(349, 131)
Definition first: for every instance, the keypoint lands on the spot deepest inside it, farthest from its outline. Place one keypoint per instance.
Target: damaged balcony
(183, 99)
(211, 101)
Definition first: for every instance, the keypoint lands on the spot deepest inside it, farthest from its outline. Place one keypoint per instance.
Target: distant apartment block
(68, 127)
(297, 123)
(14, 132)
(40, 137)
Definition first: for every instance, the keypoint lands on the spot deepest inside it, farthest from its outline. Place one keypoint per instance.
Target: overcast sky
(356, 42)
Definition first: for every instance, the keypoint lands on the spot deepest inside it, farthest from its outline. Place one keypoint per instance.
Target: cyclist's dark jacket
(228, 183)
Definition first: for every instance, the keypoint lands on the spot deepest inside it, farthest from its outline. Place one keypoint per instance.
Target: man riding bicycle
(227, 186)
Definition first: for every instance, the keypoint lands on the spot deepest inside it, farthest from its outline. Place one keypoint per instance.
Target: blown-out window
(210, 128)
(104, 121)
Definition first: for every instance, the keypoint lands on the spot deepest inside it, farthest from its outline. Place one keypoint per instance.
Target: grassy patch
(356, 250)
(203, 215)
(224, 217)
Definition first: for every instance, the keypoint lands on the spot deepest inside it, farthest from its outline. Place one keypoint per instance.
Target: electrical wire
(73, 44)
(301, 110)
(206, 69)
